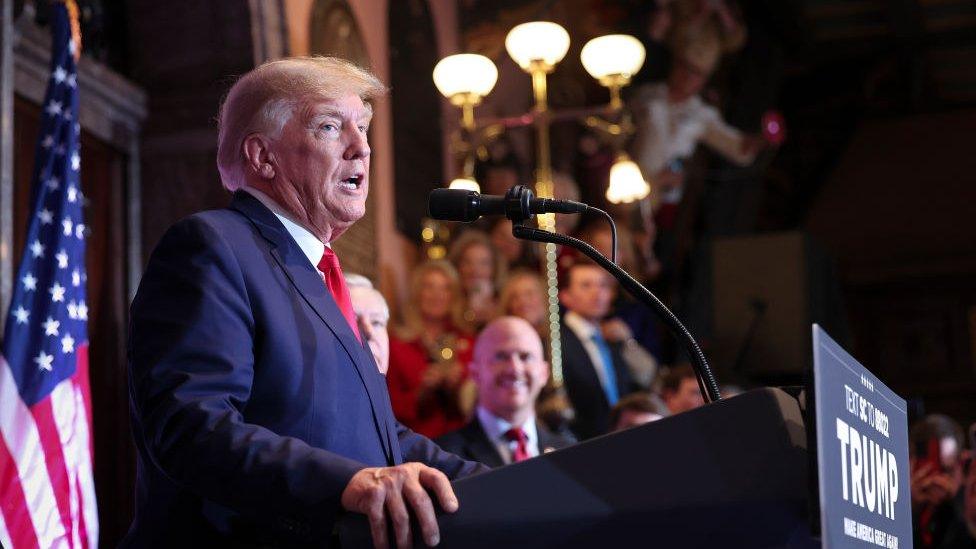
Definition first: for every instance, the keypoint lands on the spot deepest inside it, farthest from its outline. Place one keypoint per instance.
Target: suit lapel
(294, 263)
(479, 447)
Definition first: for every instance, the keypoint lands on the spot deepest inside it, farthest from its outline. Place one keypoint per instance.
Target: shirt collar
(496, 427)
(312, 247)
(584, 329)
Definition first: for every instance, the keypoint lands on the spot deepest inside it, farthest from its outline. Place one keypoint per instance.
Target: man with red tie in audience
(258, 412)
(509, 370)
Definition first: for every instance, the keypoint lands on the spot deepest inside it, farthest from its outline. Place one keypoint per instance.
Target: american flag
(47, 493)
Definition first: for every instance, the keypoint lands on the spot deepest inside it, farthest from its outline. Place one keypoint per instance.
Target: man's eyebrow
(317, 113)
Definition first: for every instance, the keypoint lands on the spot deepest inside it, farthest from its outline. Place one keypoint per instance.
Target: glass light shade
(613, 55)
(465, 184)
(626, 182)
(465, 73)
(537, 42)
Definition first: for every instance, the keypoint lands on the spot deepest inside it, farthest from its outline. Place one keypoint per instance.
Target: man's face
(321, 163)
(373, 317)
(475, 267)
(528, 300)
(589, 292)
(686, 80)
(687, 397)
(434, 296)
(508, 368)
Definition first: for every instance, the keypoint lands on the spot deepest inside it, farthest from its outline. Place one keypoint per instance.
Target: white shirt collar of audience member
(496, 427)
(312, 247)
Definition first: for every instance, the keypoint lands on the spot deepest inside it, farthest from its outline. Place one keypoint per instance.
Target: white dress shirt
(311, 246)
(584, 330)
(496, 427)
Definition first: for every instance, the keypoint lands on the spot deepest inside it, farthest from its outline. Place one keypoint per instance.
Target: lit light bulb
(465, 184)
(626, 182)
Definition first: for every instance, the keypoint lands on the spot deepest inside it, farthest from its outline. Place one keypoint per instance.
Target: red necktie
(332, 274)
(517, 435)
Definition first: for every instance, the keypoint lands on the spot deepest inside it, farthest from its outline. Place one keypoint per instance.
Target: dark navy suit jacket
(253, 403)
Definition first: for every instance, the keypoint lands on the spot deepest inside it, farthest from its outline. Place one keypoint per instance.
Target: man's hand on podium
(378, 492)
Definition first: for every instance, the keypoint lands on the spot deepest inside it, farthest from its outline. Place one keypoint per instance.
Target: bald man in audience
(509, 370)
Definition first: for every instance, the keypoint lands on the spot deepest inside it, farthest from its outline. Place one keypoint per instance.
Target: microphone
(518, 204)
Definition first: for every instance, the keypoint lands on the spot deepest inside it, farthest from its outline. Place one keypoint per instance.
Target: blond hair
(413, 325)
(264, 99)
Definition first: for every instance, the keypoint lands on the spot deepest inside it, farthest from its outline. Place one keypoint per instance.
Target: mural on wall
(333, 31)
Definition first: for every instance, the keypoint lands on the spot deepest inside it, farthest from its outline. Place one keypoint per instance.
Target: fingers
(399, 516)
(434, 480)
(423, 509)
(377, 521)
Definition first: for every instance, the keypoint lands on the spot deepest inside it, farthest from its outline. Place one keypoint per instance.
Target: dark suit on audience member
(583, 385)
(471, 442)
(253, 403)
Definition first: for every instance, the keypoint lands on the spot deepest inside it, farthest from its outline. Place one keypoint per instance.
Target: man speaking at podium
(258, 413)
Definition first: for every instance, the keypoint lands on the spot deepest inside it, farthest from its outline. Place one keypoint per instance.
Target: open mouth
(352, 182)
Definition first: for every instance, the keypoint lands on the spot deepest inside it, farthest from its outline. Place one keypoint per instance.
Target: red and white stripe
(47, 496)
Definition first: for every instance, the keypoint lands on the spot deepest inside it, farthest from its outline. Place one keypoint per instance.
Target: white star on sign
(75, 278)
(48, 141)
(54, 107)
(60, 74)
(67, 344)
(21, 315)
(57, 292)
(46, 216)
(37, 248)
(68, 226)
(75, 161)
(30, 283)
(62, 258)
(73, 310)
(53, 183)
(51, 327)
(44, 361)
(82, 311)
(72, 192)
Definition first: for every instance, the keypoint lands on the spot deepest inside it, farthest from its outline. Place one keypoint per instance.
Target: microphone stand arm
(706, 379)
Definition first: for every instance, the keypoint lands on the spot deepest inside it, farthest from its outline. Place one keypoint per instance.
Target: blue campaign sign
(862, 453)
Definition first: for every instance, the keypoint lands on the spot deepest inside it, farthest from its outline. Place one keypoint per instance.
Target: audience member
(514, 252)
(372, 316)
(480, 269)
(429, 353)
(679, 389)
(636, 409)
(936, 455)
(524, 296)
(509, 370)
(596, 372)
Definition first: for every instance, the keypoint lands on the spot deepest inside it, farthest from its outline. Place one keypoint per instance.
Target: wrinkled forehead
(346, 107)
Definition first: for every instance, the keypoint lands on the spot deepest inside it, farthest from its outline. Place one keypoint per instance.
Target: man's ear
(258, 158)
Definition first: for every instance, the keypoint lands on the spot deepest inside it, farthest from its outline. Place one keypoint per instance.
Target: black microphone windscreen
(453, 205)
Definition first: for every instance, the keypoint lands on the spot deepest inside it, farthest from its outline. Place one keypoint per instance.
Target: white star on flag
(60, 74)
(21, 314)
(67, 344)
(75, 162)
(73, 310)
(53, 183)
(48, 141)
(72, 81)
(68, 226)
(30, 283)
(75, 278)
(72, 191)
(62, 258)
(82, 311)
(46, 216)
(57, 292)
(44, 361)
(37, 248)
(54, 107)
(80, 230)
(51, 326)
(60, 150)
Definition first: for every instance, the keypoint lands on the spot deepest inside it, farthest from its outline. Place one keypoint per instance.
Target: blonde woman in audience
(481, 269)
(429, 354)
